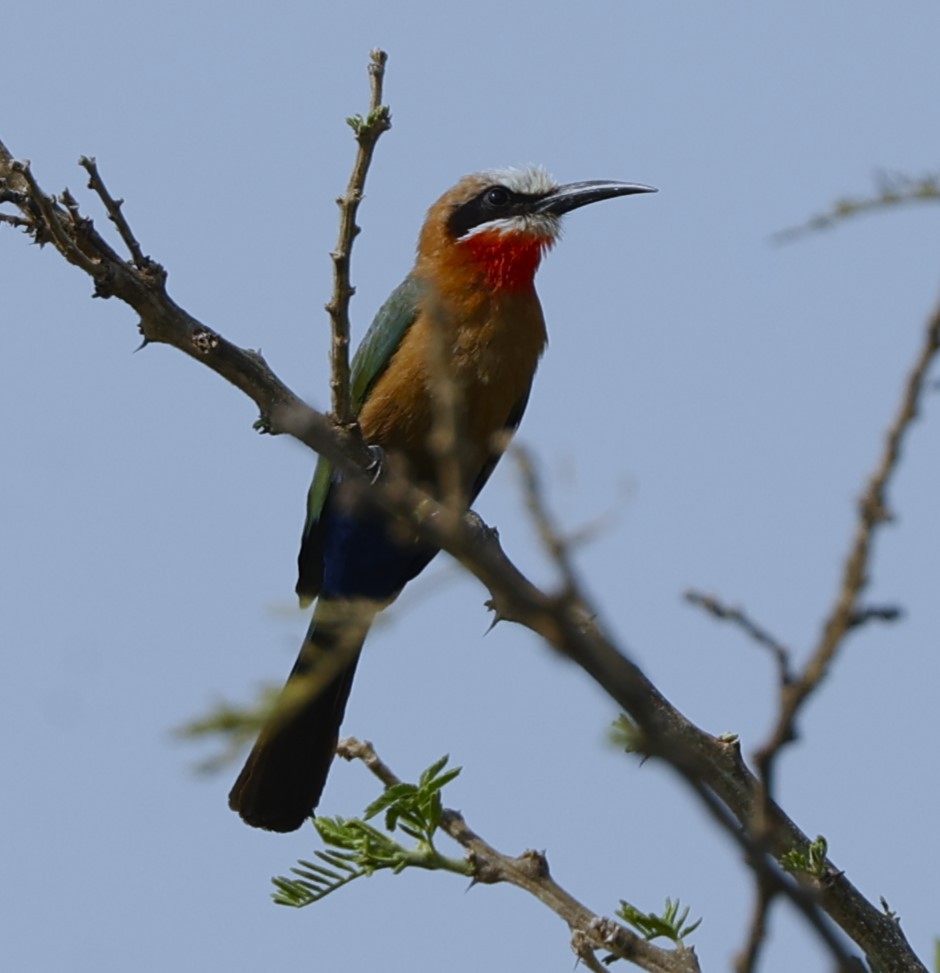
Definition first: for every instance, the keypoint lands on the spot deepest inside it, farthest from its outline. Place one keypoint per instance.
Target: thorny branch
(529, 872)
(368, 131)
(113, 207)
(711, 766)
(848, 612)
(737, 616)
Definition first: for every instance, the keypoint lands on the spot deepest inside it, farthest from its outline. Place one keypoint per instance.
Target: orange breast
(494, 351)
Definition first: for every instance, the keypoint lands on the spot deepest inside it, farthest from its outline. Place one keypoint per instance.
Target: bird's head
(500, 222)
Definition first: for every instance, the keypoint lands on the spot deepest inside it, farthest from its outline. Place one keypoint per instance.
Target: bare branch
(847, 614)
(13, 220)
(746, 962)
(367, 130)
(875, 613)
(163, 321)
(113, 209)
(556, 546)
(893, 190)
(52, 223)
(739, 617)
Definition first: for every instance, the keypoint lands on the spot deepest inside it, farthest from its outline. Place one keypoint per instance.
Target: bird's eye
(497, 197)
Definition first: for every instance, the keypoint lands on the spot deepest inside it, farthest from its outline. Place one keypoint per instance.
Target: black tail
(283, 778)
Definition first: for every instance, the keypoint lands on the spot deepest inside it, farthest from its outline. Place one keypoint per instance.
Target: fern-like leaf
(313, 881)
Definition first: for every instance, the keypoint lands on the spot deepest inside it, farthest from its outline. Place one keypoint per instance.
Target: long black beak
(575, 194)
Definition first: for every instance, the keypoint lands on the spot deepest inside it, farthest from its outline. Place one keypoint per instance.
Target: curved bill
(564, 199)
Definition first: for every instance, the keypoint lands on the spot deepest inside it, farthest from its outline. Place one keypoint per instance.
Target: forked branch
(711, 766)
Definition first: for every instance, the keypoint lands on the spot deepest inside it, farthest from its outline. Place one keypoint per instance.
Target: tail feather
(285, 773)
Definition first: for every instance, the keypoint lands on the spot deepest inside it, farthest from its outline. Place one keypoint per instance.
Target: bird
(471, 293)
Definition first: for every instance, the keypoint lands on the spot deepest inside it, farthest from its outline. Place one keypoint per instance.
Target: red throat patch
(509, 260)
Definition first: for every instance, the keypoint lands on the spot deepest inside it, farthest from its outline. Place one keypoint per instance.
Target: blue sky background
(718, 398)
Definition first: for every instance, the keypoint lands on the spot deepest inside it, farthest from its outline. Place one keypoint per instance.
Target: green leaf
(433, 771)
(810, 860)
(670, 924)
(314, 881)
(414, 810)
(393, 795)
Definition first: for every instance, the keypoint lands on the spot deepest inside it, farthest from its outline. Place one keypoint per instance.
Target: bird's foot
(376, 467)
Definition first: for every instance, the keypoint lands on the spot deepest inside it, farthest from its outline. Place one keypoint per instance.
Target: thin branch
(113, 208)
(367, 130)
(746, 962)
(529, 872)
(556, 546)
(12, 220)
(163, 321)
(79, 225)
(875, 613)
(847, 614)
(54, 222)
(893, 191)
(742, 620)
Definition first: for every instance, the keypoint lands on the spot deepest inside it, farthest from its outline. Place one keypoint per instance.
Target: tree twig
(113, 208)
(367, 131)
(892, 191)
(556, 546)
(847, 613)
(742, 620)
(529, 872)
(746, 962)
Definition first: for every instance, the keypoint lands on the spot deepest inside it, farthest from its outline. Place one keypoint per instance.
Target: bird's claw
(376, 465)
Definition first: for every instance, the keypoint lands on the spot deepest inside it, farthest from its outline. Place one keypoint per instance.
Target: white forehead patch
(527, 180)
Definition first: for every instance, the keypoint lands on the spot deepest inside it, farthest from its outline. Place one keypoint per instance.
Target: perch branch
(529, 872)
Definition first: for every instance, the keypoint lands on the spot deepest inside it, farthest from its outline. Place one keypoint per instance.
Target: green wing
(380, 343)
